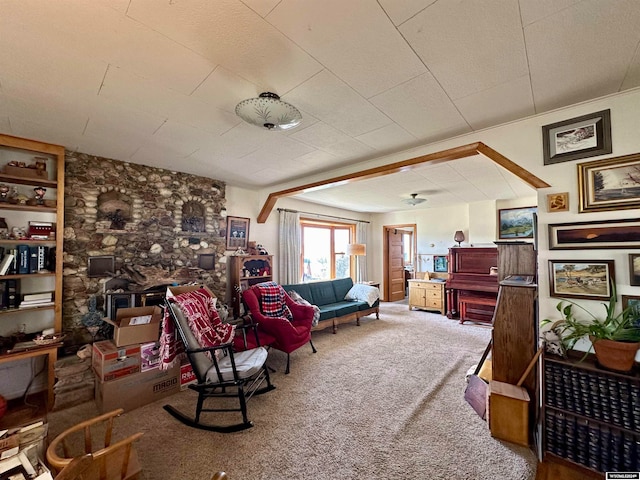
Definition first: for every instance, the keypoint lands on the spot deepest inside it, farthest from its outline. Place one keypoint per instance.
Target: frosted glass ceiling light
(413, 201)
(268, 111)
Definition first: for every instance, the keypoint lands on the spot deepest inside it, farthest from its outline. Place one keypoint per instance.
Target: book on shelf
(36, 303)
(46, 296)
(5, 264)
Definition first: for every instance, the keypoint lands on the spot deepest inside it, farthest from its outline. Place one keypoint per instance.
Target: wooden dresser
(427, 295)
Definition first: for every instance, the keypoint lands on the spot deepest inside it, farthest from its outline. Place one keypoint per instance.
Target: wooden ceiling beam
(403, 166)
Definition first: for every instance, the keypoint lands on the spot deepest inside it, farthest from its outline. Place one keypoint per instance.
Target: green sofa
(329, 296)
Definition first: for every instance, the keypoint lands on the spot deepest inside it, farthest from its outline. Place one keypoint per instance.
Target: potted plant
(615, 337)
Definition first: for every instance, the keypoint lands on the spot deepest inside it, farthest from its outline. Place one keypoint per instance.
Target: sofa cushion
(341, 286)
(303, 289)
(322, 293)
(365, 305)
(341, 308)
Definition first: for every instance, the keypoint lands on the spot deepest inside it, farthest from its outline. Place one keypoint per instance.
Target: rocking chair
(221, 371)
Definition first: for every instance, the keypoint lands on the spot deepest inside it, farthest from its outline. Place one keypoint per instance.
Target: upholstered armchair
(280, 317)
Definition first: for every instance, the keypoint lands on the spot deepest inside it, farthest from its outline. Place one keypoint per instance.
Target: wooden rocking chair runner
(222, 373)
(113, 461)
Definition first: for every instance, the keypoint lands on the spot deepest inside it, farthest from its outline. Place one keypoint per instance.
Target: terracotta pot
(619, 356)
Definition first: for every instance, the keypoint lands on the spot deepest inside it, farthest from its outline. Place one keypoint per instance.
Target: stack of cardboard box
(127, 367)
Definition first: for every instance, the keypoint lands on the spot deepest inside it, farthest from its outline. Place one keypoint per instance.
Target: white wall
(521, 142)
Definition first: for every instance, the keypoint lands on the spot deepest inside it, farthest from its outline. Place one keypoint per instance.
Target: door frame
(385, 252)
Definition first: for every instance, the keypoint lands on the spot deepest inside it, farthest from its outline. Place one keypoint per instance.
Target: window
(324, 247)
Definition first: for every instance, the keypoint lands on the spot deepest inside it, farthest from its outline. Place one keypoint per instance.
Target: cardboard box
(149, 356)
(138, 389)
(509, 412)
(110, 362)
(127, 334)
(187, 377)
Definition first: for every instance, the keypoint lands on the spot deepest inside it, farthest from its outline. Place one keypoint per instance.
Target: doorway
(399, 247)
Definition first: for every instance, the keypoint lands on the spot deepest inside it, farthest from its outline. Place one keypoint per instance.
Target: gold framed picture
(558, 202)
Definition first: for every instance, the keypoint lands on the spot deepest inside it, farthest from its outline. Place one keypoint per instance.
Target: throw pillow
(296, 297)
(363, 293)
(272, 300)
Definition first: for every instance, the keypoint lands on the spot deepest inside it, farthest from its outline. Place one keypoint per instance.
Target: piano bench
(476, 309)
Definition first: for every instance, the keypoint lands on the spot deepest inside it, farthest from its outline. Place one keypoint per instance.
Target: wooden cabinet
(21, 206)
(247, 270)
(591, 415)
(427, 295)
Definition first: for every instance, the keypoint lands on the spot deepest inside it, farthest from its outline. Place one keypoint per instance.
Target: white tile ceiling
(156, 82)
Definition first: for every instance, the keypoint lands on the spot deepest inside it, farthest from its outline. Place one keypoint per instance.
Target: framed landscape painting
(580, 137)
(516, 223)
(611, 184)
(587, 235)
(634, 269)
(588, 279)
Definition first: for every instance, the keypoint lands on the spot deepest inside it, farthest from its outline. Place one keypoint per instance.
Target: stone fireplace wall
(137, 214)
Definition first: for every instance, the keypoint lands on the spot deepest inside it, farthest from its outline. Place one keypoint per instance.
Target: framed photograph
(611, 184)
(516, 223)
(603, 234)
(588, 279)
(634, 269)
(237, 233)
(580, 137)
(440, 263)
(632, 302)
(558, 202)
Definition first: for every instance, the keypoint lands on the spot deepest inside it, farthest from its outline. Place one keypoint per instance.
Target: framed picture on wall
(516, 223)
(611, 184)
(237, 233)
(588, 279)
(440, 263)
(634, 269)
(632, 302)
(579, 137)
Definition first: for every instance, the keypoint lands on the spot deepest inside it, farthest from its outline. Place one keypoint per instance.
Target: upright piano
(472, 289)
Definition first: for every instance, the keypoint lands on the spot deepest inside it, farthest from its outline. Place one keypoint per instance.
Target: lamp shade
(414, 200)
(269, 112)
(356, 249)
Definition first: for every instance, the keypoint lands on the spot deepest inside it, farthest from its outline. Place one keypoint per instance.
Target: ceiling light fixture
(268, 111)
(413, 201)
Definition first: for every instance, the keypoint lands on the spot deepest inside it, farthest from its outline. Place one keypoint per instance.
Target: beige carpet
(383, 400)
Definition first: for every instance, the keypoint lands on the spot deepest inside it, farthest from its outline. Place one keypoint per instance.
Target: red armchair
(289, 334)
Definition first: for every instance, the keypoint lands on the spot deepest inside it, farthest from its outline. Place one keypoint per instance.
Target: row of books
(614, 400)
(591, 444)
(25, 259)
(10, 296)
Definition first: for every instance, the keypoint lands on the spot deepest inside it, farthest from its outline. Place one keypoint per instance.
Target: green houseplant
(615, 337)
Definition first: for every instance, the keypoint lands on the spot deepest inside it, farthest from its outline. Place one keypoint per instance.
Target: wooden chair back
(110, 461)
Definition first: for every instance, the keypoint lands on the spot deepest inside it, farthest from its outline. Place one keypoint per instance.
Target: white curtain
(290, 239)
(361, 262)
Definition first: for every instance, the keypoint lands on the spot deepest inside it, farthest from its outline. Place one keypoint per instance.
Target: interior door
(395, 267)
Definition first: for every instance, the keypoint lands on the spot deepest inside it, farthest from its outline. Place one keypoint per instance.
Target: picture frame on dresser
(579, 137)
(237, 233)
(585, 279)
